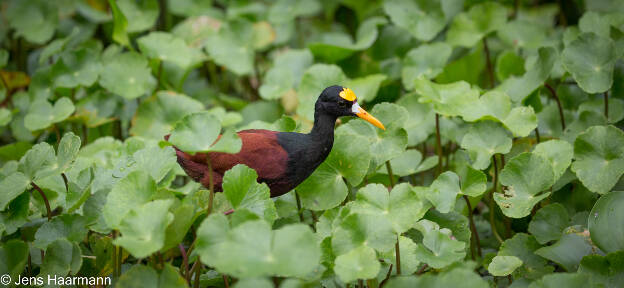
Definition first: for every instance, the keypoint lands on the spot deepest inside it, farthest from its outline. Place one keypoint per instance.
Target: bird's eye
(343, 104)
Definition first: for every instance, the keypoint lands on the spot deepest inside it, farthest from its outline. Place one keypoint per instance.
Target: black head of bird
(340, 101)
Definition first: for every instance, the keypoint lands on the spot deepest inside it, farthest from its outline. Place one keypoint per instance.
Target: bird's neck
(323, 129)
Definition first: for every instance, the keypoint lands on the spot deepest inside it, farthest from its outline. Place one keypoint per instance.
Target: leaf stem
(390, 174)
(57, 132)
(494, 185)
(473, 228)
(197, 267)
(554, 94)
(299, 210)
(606, 104)
(45, 200)
(85, 135)
(185, 264)
(225, 281)
(488, 62)
(383, 282)
(438, 144)
(65, 181)
(537, 135)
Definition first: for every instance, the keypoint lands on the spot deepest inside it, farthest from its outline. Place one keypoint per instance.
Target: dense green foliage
(500, 164)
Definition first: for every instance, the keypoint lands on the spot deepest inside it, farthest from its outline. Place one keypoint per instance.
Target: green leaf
(287, 10)
(157, 116)
(469, 27)
(325, 188)
(42, 114)
(134, 190)
(13, 257)
(252, 249)
(616, 108)
(287, 70)
(559, 153)
(13, 185)
(408, 163)
(524, 34)
(504, 265)
(197, 132)
(447, 99)
(190, 7)
(590, 59)
(5, 116)
(538, 71)
(456, 222)
(166, 47)
(143, 228)
(421, 120)
(494, 105)
(127, 75)
(443, 191)
(120, 25)
(348, 160)
(61, 258)
(427, 61)
(606, 270)
(330, 50)
(77, 68)
(33, 20)
(599, 157)
(38, 162)
(409, 260)
(567, 252)
(509, 64)
(243, 192)
(16, 214)
(549, 222)
(483, 140)
(155, 161)
(363, 229)
(524, 176)
(438, 249)
(314, 80)
(72, 227)
(229, 48)
(67, 151)
(458, 277)
(473, 182)
(141, 15)
(359, 263)
(423, 19)
(572, 280)
(605, 222)
(402, 206)
(144, 276)
(523, 246)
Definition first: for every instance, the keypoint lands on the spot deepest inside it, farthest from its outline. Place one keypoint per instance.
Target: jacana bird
(281, 159)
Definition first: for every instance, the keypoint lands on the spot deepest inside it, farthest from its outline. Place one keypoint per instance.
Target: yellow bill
(357, 110)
